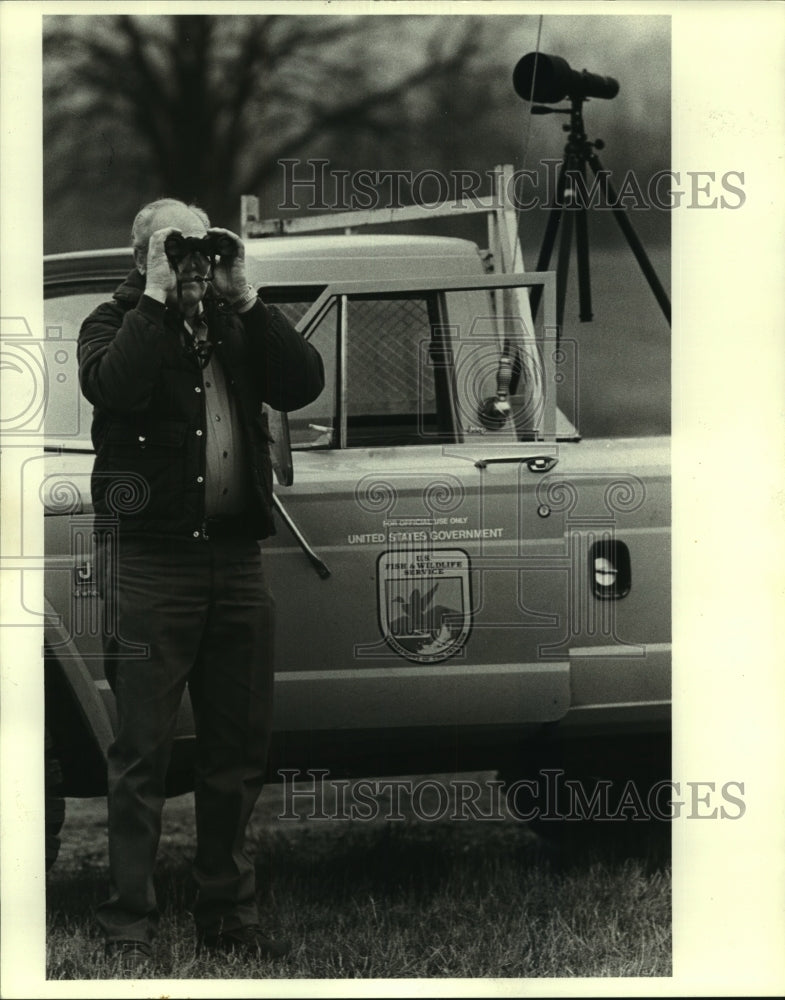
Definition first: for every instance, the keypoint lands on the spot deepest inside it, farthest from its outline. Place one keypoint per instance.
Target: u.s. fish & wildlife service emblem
(424, 602)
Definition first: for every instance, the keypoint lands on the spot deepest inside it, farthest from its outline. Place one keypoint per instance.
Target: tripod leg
(563, 265)
(632, 238)
(582, 248)
(548, 239)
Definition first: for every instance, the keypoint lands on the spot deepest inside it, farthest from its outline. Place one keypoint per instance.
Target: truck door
(447, 591)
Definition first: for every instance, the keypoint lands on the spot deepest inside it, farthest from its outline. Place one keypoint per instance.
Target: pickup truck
(462, 582)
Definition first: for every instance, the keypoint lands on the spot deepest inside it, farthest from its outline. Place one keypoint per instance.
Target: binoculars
(177, 247)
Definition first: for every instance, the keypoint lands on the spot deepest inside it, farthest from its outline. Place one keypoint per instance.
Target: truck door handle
(535, 463)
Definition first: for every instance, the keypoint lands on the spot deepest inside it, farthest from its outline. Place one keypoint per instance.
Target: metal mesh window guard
(391, 391)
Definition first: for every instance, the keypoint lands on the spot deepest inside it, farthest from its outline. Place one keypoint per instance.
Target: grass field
(389, 899)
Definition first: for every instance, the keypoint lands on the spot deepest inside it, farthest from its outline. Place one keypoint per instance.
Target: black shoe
(131, 958)
(248, 941)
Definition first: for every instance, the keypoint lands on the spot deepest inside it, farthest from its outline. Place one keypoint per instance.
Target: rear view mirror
(280, 446)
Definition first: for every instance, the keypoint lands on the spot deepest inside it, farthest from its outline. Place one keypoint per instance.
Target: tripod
(569, 209)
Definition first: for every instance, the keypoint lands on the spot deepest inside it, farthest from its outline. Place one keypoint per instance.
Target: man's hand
(160, 276)
(229, 277)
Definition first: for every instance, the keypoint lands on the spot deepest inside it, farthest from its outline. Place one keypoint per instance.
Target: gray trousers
(205, 614)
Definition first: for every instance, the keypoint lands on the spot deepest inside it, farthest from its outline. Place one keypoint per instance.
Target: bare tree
(205, 107)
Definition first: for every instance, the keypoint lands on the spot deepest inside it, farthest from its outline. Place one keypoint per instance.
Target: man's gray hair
(141, 230)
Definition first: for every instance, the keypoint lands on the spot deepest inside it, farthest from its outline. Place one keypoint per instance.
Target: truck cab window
(314, 426)
(395, 364)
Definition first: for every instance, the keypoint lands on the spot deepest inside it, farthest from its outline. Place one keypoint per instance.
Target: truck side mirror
(495, 410)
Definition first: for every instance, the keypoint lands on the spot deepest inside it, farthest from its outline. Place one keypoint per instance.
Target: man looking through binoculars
(177, 367)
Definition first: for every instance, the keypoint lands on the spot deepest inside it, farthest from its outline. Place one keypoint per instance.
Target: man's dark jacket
(149, 419)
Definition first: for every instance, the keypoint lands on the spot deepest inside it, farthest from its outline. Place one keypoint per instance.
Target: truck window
(314, 425)
(393, 365)
(68, 415)
(417, 368)
(397, 374)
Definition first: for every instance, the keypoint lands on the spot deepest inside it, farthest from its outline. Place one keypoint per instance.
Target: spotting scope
(549, 79)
